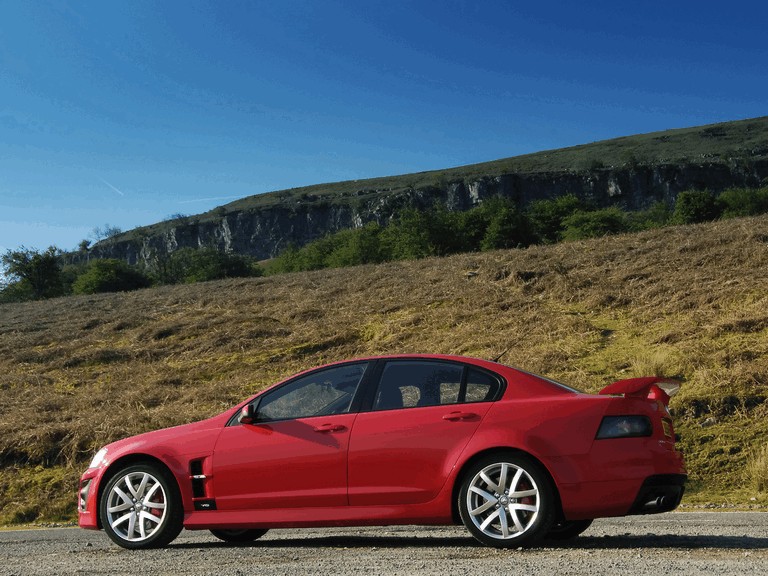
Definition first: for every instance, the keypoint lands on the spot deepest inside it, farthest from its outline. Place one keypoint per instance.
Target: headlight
(98, 459)
(624, 427)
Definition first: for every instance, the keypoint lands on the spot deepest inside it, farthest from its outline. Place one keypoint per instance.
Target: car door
(294, 454)
(422, 416)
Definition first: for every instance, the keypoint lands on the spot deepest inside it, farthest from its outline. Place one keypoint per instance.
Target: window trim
(375, 380)
(354, 406)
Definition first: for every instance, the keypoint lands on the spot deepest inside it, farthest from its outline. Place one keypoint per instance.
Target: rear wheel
(238, 536)
(506, 501)
(566, 530)
(141, 507)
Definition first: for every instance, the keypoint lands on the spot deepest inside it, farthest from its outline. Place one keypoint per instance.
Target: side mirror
(247, 415)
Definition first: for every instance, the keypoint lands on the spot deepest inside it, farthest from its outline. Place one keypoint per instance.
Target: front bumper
(88, 497)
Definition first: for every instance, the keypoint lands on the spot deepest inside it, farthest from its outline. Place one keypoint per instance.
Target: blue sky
(125, 113)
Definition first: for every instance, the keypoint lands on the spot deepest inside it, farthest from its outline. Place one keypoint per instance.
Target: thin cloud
(113, 188)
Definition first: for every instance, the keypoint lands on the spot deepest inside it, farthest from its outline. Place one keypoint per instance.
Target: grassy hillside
(690, 302)
(738, 141)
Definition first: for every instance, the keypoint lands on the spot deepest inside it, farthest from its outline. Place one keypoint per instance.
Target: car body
(409, 439)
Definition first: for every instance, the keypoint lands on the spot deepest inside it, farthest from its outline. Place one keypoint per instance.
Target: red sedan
(419, 439)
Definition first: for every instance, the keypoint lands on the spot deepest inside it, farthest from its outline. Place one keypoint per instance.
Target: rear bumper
(633, 476)
(660, 493)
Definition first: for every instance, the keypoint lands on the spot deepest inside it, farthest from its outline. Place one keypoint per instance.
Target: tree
(108, 231)
(32, 275)
(547, 217)
(408, 237)
(508, 227)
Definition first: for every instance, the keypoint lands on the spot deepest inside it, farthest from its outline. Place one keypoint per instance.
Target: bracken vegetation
(685, 301)
(501, 223)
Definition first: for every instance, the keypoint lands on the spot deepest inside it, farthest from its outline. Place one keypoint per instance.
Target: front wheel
(141, 507)
(238, 536)
(506, 501)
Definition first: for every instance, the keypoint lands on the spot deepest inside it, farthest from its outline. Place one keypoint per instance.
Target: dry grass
(690, 302)
(758, 468)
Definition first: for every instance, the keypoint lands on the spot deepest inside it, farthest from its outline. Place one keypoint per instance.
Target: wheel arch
(459, 479)
(124, 462)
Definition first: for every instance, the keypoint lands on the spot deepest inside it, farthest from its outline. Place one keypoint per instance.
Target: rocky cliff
(263, 232)
(727, 155)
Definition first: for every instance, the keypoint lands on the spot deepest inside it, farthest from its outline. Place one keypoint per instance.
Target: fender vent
(198, 478)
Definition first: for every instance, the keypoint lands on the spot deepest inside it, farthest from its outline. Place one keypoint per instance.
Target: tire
(506, 501)
(141, 507)
(239, 536)
(566, 530)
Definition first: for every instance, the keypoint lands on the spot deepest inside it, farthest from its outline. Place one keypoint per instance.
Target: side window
(481, 386)
(411, 383)
(320, 393)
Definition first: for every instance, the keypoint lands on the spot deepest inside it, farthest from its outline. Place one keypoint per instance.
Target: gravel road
(677, 543)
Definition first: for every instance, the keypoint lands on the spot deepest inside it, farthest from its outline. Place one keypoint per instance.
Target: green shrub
(582, 225)
(656, 216)
(694, 206)
(355, 247)
(203, 264)
(737, 202)
(109, 275)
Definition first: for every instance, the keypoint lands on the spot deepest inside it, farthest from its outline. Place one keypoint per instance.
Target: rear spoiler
(651, 387)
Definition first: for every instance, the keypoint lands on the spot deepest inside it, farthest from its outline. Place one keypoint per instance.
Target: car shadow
(584, 542)
(660, 541)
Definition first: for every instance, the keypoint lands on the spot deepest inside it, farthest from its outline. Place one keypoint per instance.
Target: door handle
(456, 416)
(330, 428)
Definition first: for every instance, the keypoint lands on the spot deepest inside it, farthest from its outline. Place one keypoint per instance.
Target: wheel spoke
(482, 493)
(524, 493)
(504, 523)
(155, 505)
(119, 507)
(516, 519)
(150, 517)
(490, 483)
(490, 519)
(131, 526)
(503, 478)
(142, 486)
(155, 487)
(129, 485)
(127, 499)
(523, 507)
(483, 508)
(122, 519)
(516, 480)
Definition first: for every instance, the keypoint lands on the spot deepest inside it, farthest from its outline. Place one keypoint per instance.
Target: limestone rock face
(264, 232)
